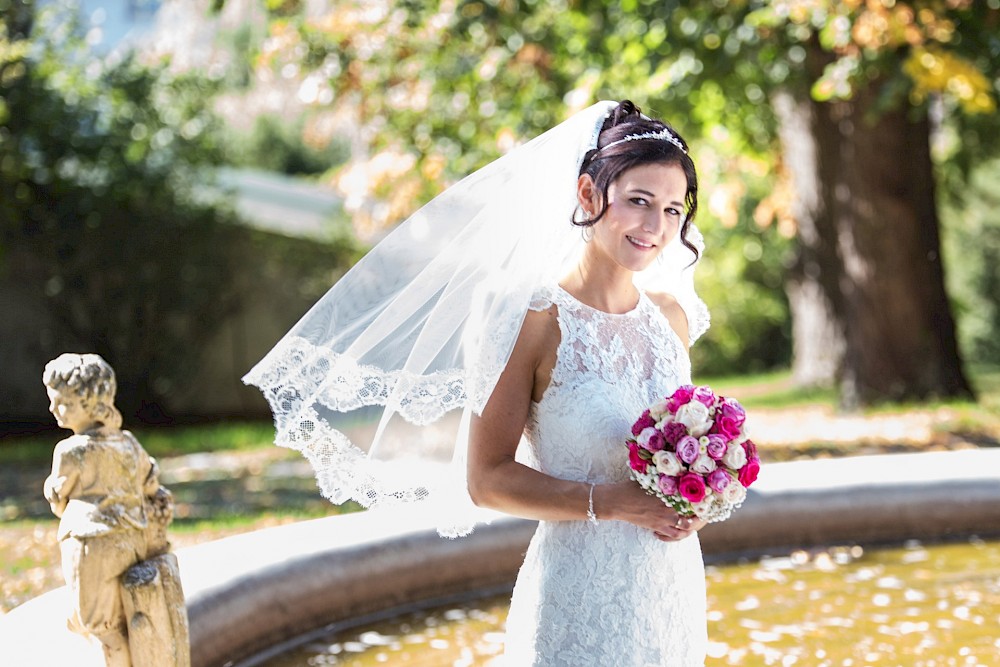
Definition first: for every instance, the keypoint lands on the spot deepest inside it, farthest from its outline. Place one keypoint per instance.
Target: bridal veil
(375, 385)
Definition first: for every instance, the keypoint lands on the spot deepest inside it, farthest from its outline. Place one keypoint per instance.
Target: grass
(162, 441)
(771, 390)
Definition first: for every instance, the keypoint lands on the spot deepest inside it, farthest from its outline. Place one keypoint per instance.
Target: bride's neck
(602, 285)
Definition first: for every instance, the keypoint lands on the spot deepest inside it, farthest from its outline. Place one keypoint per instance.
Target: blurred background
(181, 179)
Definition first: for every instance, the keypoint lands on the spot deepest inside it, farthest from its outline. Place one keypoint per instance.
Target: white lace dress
(609, 594)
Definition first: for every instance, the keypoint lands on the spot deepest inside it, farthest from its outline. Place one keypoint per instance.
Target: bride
(551, 328)
(612, 576)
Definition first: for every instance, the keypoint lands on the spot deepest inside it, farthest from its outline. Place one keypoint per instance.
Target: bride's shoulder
(672, 310)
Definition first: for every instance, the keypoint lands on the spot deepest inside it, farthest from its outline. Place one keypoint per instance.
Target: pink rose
(716, 447)
(680, 397)
(688, 449)
(751, 449)
(645, 421)
(634, 460)
(673, 432)
(667, 485)
(651, 440)
(656, 442)
(748, 473)
(692, 487)
(719, 480)
(731, 408)
(727, 428)
(704, 395)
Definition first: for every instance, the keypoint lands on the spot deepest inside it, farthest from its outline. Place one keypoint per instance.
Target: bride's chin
(642, 265)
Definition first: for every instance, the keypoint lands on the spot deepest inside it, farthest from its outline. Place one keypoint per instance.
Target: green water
(915, 606)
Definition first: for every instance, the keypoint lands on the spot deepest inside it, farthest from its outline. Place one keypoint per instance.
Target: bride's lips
(642, 245)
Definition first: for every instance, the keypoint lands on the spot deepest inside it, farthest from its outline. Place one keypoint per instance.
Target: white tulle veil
(376, 383)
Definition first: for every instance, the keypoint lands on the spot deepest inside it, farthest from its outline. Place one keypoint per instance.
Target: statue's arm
(59, 485)
(151, 483)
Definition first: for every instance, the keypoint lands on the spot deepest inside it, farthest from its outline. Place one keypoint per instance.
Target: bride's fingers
(671, 534)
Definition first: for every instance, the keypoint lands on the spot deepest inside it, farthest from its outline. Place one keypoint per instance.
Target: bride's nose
(653, 224)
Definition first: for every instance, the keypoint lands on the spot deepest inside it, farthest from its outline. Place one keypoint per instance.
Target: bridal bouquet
(692, 452)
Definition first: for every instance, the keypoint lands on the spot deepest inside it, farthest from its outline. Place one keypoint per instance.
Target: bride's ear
(587, 196)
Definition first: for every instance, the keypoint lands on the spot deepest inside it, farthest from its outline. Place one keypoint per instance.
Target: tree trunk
(878, 185)
(817, 334)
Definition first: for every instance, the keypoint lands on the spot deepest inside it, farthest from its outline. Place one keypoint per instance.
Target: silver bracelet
(591, 515)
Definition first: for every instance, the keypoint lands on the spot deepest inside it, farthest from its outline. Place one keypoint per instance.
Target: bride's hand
(626, 501)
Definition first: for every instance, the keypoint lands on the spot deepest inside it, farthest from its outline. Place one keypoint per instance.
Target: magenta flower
(673, 432)
(731, 408)
(704, 395)
(634, 460)
(727, 428)
(748, 473)
(680, 397)
(645, 421)
(656, 442)
(716, 447)
(751, 449)
(719, 479)
(667, 485)
(688, 449)
(692, 487)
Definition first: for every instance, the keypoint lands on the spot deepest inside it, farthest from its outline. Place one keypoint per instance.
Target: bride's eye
(639, 201)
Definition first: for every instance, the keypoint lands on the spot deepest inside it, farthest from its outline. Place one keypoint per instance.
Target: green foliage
(741, 278)
(99, 166)
(971, 241)
(277, 144)
(454, 85)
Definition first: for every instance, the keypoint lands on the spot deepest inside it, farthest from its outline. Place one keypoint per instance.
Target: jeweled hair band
(663, 135)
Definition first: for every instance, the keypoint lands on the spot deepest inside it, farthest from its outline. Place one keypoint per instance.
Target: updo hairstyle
(606, 165)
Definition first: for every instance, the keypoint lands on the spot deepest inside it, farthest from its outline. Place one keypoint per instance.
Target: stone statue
(113, 513)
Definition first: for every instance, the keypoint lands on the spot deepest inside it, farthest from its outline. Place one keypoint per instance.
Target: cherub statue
(105, 489)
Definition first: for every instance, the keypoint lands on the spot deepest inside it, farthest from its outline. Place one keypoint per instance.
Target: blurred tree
(278, 144)
(972, 249)
(846, 88)
(867, 288)
(101, 166)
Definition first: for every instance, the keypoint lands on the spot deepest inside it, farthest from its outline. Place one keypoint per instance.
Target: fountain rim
(250, 593)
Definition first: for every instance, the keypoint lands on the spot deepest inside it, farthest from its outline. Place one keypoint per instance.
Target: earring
(587, 233)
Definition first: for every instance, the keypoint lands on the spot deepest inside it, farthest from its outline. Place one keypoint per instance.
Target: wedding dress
(609, 594)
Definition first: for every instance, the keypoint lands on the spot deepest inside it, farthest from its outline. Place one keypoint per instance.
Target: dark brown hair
(604, 165)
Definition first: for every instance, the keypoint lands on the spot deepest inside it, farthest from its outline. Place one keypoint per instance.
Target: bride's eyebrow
(649, 194)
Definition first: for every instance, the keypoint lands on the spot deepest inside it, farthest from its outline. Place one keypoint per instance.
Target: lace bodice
(611, 593)
(609, 368)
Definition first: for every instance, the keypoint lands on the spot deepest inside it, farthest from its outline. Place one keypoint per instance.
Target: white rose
(735, 457)
(645, 435)
(735, 493)
(704, 464)
(659, 410)
(667, 463)
(696, 417)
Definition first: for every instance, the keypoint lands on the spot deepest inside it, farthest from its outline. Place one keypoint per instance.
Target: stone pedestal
(155, 614)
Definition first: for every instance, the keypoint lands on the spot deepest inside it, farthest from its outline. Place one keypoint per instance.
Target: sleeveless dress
(609, 594)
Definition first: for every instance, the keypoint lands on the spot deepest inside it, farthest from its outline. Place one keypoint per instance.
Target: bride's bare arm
(499, 482)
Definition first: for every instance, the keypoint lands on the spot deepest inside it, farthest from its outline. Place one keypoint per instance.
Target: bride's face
(645, 212)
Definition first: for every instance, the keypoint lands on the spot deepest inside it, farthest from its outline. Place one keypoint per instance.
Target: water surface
(914, 606)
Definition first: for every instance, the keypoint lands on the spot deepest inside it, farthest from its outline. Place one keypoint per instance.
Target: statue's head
(81, 389)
